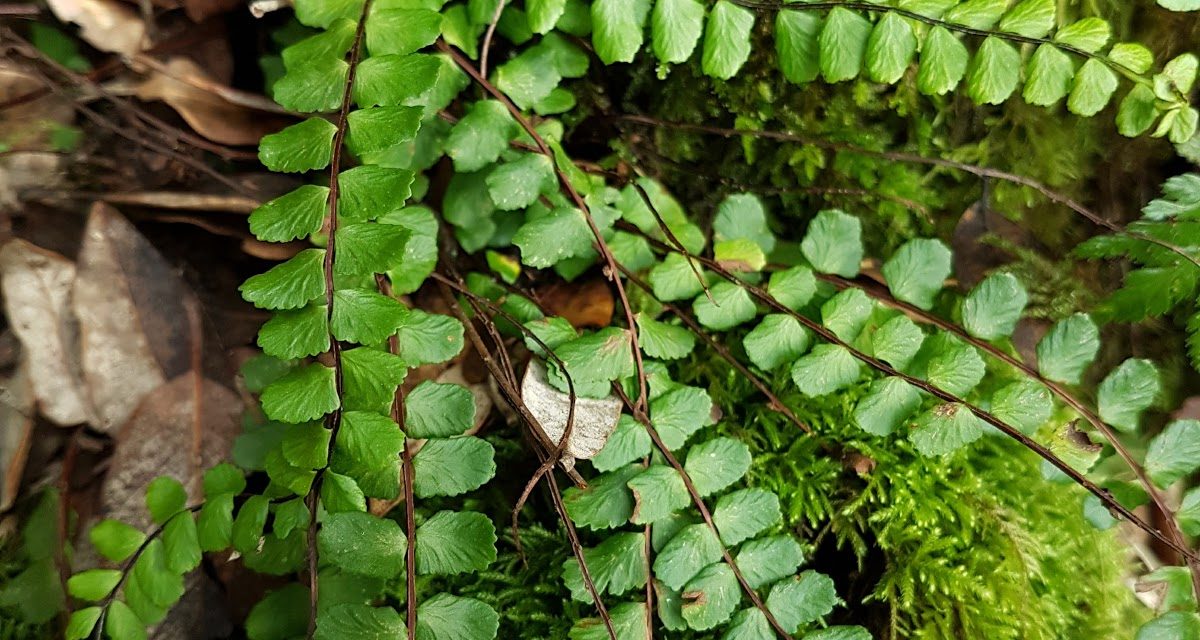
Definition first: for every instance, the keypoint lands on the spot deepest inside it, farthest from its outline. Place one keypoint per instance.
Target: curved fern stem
(334, 419)
(126, 568)
(698, 501)
(406, 482)
(1072, 401)
(565, 182)
(901, 156)
(1041, 450)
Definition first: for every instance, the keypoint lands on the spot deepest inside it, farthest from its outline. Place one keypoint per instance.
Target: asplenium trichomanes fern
(937, 393)
(839, 40)
(338, 432)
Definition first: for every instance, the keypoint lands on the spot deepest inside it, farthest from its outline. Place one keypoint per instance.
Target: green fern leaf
(726, 39)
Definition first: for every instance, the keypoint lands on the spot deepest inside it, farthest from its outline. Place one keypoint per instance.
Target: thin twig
(20, 10)
(693, 170)
(63, 521)
(478, 303)
(157, 127)
(157, 147)
(487, 37)
(647, 553)
(687, 256)
(546, 444)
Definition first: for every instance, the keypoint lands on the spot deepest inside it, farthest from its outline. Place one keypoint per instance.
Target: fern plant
(931, 392)
(1163, 246)
(338, 432)
(939, 369)
(838, 41)
(682, 553)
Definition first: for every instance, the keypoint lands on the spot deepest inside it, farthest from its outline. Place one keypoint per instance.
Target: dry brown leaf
(107, 25)
(584, 304)
(204, 104)
(173, 434)
(198, 10)
(273, 250)
(16, 430)
(24, 170)
(137, 319)
(201, 614)
(182, 428)
(974, 258)
(37, 286)
(594, 421)
(479, 391)
(204, 77)
(26, 125)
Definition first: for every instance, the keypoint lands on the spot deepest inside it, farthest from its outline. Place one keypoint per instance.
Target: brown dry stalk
(554, 455)
(670, 235)
(137, 117)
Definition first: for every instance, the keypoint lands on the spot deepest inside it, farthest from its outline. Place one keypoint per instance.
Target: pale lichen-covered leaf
(593, 421)
(36, 286)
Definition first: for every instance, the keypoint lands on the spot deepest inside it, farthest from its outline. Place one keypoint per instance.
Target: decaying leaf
(16, 430)
(136, 317)
(107, 25)
(180, 429)
(198, 10)
(587, 304)
(27, 169)
(37, 285)
(272, 250)
(205, 106)
(184, 201)
(1074, 446)
(594, 421)
(27, 124)
(202, 612)
(974, 258)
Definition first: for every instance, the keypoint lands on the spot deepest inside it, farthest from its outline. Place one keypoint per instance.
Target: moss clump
(972, 545)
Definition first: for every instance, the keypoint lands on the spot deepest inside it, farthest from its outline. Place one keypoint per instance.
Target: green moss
(972, 545)
(526, 590)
